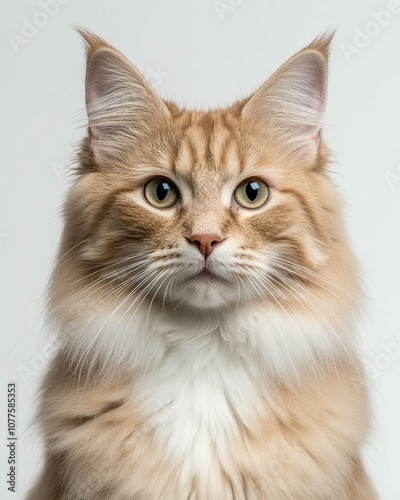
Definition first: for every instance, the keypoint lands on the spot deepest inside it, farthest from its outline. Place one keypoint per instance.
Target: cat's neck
(271, 342)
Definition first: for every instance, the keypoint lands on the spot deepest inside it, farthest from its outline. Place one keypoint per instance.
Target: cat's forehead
(207, 149)
(209, 144)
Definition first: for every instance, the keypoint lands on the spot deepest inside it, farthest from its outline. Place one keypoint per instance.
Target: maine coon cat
(204, 300)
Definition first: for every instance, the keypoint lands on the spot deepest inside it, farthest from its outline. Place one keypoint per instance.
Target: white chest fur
(194, 403)
(200, 380)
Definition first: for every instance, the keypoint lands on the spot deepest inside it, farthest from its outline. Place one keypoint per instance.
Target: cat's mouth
(205, 273)
(207, 276)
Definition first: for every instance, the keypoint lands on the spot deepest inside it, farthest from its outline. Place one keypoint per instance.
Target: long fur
(235, 377)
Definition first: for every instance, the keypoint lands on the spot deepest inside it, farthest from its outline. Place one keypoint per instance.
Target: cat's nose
(205, 242)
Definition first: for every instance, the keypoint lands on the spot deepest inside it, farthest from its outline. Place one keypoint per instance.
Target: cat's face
(204, 209)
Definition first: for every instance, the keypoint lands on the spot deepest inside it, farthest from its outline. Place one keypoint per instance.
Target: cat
(204, 300)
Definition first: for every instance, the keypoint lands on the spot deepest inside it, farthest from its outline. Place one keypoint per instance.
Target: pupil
(162, 191)
(252, 190)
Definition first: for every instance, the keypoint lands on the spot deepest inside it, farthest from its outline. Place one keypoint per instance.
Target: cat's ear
(121, 105)
(290, 105)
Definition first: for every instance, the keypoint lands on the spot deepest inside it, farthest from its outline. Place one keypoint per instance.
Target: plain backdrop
(203, 54)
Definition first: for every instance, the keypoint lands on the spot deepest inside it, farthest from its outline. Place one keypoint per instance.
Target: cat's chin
(207, 291)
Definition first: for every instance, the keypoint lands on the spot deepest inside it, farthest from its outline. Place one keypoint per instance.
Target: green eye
(251, 193)
(161, 193)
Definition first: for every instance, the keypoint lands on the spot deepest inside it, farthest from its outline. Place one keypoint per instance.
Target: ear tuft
(322, 44)
(92, 41)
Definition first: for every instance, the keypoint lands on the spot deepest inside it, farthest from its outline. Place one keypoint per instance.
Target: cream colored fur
(234, 377)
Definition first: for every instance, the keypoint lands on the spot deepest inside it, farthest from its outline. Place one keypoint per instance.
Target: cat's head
(206, 209)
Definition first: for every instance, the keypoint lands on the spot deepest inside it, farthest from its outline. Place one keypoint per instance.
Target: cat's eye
(251, 193)
(161, 193)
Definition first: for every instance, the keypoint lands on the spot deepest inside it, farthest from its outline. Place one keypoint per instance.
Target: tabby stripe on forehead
(195, 145)
(224, 152)
(192, 152)
(185, 155)
(208, 124)
(234, 139)
(241, 158)
(174, 155)
(227, 125)
(186, 122)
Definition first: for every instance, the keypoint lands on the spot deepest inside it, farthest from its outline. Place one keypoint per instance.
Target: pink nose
(205, 242)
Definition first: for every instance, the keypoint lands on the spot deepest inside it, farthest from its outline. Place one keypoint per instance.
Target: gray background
(202, 53)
